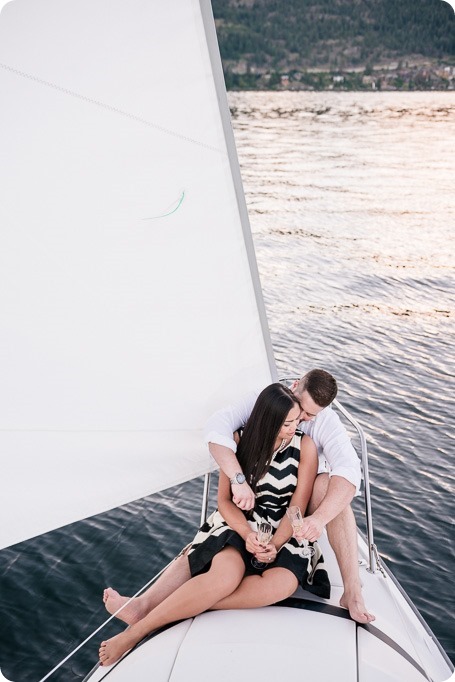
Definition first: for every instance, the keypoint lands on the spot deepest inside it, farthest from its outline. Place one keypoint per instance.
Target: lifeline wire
(59, 665)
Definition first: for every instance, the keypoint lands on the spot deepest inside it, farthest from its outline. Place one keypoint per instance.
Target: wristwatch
(238, 479)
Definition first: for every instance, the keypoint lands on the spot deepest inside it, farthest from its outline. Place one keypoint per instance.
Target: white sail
(129, 307)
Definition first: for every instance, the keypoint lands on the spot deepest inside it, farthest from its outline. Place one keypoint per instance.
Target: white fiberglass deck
(308, 636)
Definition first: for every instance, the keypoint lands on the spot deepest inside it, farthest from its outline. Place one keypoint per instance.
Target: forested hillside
(266, 40)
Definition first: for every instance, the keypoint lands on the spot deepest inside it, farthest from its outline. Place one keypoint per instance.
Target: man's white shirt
(336, 453)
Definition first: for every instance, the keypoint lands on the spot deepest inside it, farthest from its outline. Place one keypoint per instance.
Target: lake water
(352, 210)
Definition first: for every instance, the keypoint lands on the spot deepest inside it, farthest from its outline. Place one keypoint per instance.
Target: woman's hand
(266, 554)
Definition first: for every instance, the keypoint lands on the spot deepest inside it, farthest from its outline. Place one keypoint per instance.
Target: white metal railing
(205, 498)
(373, 555)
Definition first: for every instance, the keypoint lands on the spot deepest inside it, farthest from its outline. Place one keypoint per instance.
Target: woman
(281, 466)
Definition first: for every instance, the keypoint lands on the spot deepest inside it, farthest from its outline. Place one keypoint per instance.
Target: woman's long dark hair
(257, 443)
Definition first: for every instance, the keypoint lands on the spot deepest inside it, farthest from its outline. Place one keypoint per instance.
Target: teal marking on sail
(170, 212)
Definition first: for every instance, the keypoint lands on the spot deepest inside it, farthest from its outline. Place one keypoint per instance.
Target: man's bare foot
(113, 601)
(356, 607)
(113, 649)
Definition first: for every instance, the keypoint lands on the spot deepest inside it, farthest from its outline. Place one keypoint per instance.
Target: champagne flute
(296, 519)
(264, 535)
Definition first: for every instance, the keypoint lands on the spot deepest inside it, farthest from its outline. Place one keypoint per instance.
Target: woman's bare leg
(173, 577)
(273, 585)
(194, 597)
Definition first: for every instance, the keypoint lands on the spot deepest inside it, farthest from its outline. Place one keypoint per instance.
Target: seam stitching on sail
(108, 107)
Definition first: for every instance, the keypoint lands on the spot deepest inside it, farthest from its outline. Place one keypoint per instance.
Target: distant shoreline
(373, 92)
(406, 78)
(367, 90)
(407, 75)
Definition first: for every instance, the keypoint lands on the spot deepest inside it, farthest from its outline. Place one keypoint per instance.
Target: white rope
(59, 665)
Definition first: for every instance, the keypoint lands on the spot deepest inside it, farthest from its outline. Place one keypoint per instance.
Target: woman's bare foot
(113, 601)
(113, 649)
(356, 607)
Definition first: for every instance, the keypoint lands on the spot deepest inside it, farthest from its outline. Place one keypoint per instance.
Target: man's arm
(218, 434)
(333, 442)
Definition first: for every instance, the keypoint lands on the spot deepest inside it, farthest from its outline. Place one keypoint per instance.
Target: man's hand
(243, 496)
(311, 529)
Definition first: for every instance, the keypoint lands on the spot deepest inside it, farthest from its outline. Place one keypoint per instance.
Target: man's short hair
(321, 386)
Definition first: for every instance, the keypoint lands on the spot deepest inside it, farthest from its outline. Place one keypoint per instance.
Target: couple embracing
(283, 448)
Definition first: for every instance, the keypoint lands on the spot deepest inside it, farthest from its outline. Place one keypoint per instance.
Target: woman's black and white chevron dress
(273, 496)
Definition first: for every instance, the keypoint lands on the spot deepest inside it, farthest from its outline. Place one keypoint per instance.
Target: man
(337, 482)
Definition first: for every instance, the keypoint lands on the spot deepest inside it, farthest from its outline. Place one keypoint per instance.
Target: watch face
(240, 478)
